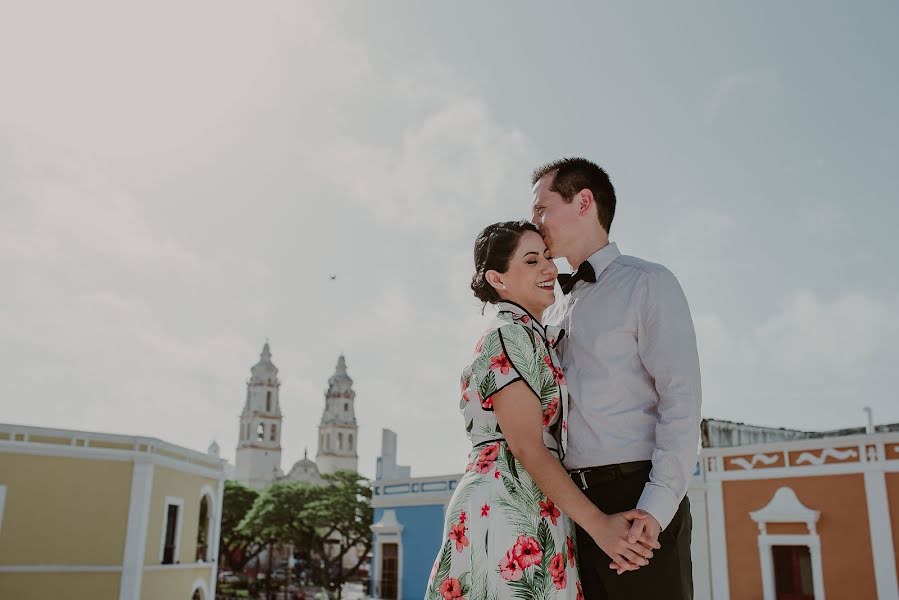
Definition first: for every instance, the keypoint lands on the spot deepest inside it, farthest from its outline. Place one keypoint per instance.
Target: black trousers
(669, 574)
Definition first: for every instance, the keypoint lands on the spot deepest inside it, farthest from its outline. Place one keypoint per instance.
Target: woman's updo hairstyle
(493, 248)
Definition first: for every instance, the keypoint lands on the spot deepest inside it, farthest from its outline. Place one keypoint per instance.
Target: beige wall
(846, 556)
(63, 511)
(172, 584)
(70, 586)
(169, 482)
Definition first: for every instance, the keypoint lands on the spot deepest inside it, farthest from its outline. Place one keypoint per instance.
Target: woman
(506, 535)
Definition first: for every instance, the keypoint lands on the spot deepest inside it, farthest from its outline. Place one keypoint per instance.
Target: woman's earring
(504, 286)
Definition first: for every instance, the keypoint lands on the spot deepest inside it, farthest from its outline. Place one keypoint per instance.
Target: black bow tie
(584, 273)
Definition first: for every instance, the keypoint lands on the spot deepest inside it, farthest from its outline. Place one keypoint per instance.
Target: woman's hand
(611, 535)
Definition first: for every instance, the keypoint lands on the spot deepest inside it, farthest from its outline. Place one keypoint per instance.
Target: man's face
(554, 217)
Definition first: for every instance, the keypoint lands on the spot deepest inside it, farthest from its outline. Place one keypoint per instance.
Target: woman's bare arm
(520, 417)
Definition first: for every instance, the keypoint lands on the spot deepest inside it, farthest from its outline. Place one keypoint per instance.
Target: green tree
(322, 522)
(236, 548)
(342, 518)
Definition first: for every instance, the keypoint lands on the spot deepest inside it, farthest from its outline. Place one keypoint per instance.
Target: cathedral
(259, 447)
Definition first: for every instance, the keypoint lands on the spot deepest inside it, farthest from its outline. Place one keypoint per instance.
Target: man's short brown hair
(576, 174)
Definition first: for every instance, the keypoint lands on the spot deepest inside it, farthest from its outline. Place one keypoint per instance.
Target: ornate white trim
(812, 459)
(388, 530)
(136, 532)
(60, 569)
(172, 501)
(881, 529)
(200, 584)
(717, 541)
(785, 507)
(764, 459)
(766, 556)
(2, 503)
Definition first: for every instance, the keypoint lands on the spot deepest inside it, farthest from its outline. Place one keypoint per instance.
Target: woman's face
(531, 275)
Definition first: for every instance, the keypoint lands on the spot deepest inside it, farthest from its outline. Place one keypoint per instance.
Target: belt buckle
(580, 473)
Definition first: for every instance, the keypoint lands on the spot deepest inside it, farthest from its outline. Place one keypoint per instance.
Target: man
(633, 374)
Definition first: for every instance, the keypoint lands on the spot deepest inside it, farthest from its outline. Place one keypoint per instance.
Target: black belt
(590, 476)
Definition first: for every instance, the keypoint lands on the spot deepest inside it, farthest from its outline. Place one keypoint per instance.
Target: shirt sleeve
(506, 355)
(666, 342)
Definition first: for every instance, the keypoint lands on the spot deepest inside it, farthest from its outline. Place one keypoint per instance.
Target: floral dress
(503, 538)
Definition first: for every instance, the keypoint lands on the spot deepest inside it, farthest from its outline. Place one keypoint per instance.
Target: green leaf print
(487, 385)
(523, 588)
(509, 462)
(545, 538)
(469, 426)
(443, 568)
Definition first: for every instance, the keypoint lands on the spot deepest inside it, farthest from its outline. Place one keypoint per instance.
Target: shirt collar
(603, 257)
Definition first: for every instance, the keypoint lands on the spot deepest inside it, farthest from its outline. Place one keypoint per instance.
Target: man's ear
(585, 200)
(494, 278)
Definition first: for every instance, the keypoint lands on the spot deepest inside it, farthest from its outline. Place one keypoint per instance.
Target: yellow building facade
(97, 516)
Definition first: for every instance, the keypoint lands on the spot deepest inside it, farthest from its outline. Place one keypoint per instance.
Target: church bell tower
(259, 445)
(337, 433)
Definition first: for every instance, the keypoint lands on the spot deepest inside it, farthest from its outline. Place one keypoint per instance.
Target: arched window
(340, 441)
(328, 441)
(351, 441)
(260, 432)
(274, 432)
(346, 406)
(268, 401)
(203, 530)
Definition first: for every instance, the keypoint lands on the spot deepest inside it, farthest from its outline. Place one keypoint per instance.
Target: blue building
(408, 525)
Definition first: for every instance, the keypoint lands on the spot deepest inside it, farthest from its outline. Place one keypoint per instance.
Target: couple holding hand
(583, 413)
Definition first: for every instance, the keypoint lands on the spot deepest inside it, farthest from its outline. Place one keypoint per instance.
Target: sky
(178, 181)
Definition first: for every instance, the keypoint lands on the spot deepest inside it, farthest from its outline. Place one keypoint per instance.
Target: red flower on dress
(509, 569)
(496, 474)
(557, 571)
(485, 510)
(580, 590)
(457, 534)
(463, 517)
(451, 588)
(550, 411)
(525, 319)
(558, 374)
(570, 544)
(500, 363)
(487, 458)
(549, 510)
(527, 551)
(486, 404)
(564, 424)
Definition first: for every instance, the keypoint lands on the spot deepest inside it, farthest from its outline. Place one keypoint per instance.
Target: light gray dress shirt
(629, 356)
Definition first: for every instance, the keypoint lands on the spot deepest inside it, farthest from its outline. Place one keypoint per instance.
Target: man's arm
(666, 342)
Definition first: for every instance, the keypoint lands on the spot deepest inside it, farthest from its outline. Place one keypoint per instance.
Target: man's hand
(613, 539)
(644, 530)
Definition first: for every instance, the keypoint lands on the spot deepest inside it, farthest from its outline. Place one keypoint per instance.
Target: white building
(259, 446)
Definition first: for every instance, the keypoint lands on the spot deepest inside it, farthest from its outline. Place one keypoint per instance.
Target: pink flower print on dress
(500, 363)
(550, 411)
(527, 551)
(485, 510)
(509, 569)
(457, 534)
(549, 510)
(557, 571)
(451, 588)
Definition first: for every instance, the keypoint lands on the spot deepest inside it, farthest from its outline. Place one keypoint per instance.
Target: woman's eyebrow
(529, 253)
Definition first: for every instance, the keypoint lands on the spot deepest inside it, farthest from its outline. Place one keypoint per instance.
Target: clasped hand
(629, 538)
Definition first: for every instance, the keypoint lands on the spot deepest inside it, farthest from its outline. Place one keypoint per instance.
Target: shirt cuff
(659, 502)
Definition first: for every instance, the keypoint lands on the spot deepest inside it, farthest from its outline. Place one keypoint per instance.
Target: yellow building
(99, 516)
